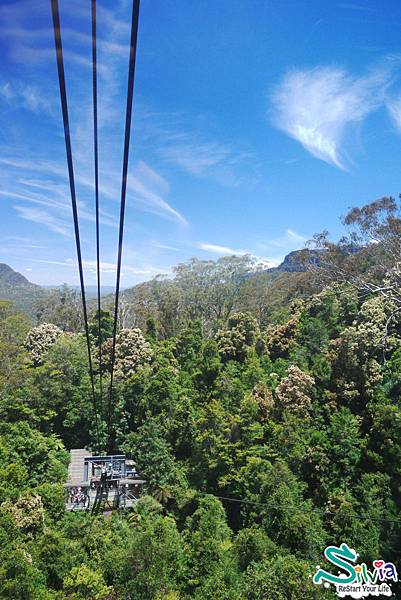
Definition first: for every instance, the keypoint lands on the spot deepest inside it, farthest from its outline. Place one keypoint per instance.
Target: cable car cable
(130, 94)
(97, 209)
(297, 509)
(67, 137)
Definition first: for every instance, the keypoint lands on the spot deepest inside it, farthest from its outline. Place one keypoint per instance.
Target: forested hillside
(263, 411)
(24, 294)
(59, 304)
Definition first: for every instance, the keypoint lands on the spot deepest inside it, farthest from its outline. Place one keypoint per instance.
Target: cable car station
(101, 483)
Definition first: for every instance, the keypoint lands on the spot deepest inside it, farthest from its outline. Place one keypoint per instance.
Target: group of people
(78, 497)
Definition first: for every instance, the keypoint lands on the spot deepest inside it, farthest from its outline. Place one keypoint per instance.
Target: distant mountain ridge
(24, 294)
(9, 276)
(297, 261)
(294, 262)
(19, 290)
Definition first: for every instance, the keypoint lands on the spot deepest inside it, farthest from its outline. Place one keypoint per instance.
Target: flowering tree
(292, 393)
(132, 352)
(240, 335)
(369, 258)
(281, 338)
(40, 339)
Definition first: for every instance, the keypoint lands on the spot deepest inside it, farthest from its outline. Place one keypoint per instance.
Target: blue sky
(256, 124)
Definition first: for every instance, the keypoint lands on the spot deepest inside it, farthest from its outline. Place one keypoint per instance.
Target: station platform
(101, 482)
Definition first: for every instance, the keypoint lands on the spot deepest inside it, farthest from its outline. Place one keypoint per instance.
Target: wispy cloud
(19, 245)
(59, 206)
(288, 240)
(290, 237)
(276, 248)
(43, 218)
(261, 262)
(6, 91)
(22, 241)
(316, 106)
(203, 159)
(146, 188)
(105, 267)
(18, 94)
(164, 246)
(394, 109)
(221, 250)
(190, 143)
(32, 45)
(33, 170)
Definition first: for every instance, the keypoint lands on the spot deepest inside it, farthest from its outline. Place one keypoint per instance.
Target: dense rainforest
(262, 409)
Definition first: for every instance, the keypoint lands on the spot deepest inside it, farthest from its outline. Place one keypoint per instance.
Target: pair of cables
(70, 165)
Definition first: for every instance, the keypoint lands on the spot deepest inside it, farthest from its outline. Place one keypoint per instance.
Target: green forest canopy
(282, 392)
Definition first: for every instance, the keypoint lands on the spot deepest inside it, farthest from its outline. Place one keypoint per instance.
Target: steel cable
(67, 137)
(130, 94)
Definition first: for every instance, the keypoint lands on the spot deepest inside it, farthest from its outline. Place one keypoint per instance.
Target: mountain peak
(297, 261)
(11, 277)
(19, 290)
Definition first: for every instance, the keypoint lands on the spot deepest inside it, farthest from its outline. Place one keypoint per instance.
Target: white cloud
(63, 205)
(24, 96)
(290, 239)
(316, 106)
(6, 91)
(145, 189)
(44, 218)
(105, 267)
(184, 141)
(148, 188)
(293, 235)
(194, 158)
(164, 246)
(153, 179)
(44, 166)
(20, 241)
(394, 109)
(276, 248)
(261, 261)
(274, 261)
(205, 159)
(108, 267)
(263, 252)
(222, 250)
(37, 188)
